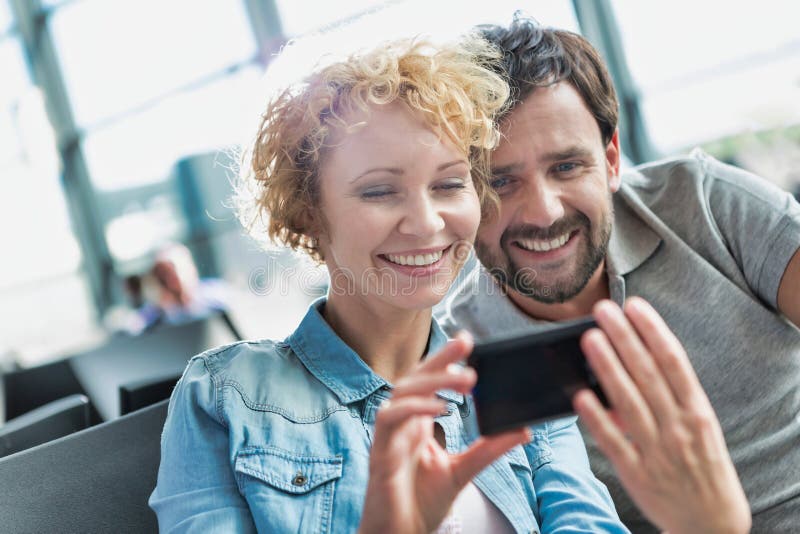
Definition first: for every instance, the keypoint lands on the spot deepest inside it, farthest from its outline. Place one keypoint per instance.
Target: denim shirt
(275, 437)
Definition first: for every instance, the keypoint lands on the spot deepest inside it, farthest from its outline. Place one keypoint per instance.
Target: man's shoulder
(692, 168)
(694, 173)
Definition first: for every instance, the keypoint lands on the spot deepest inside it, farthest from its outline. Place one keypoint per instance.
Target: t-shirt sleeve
(759, 222)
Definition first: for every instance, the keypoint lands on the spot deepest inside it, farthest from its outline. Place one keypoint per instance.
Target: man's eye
(499, 182)
(566, 167)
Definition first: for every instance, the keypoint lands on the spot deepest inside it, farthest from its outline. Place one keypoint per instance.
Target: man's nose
(421, 217)
(541, 205)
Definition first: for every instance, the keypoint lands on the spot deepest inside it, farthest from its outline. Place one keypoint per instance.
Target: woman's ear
(312, 224)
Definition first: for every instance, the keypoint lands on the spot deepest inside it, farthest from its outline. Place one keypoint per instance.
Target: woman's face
(400, 209)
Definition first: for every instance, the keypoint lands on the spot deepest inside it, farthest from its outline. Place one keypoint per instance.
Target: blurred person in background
(170, 292)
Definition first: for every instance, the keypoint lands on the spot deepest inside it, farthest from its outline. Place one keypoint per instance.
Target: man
(714, 249)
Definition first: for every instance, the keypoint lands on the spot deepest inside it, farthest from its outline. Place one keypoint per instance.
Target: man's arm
(789, 290)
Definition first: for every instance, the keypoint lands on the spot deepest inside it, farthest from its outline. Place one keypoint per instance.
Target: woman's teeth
(539, 245)
(419, 259)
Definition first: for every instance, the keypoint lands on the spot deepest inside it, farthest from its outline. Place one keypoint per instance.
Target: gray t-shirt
(707, 245)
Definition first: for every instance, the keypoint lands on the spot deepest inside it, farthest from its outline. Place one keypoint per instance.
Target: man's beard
(524, 279)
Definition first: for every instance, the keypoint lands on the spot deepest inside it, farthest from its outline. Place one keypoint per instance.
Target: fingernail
(465, 335)
(603, 309)
(454, 369)
(634, 304)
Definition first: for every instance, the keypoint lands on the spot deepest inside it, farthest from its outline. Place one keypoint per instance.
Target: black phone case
(518, 402)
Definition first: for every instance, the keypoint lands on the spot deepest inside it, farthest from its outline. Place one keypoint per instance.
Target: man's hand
(662, 434)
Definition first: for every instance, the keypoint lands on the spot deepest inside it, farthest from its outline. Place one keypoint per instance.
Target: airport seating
(51, 421)
(99, 373)
(94, 481)
(136, 395)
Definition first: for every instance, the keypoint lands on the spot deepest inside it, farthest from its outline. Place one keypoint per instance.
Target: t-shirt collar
(632, 239)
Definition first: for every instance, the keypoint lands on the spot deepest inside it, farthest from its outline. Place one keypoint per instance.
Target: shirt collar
(337, 366)
(632, 239)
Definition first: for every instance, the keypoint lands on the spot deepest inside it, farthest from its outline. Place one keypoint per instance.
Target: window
(707, 70)
(119, 55)
(46, 304)
(5, 17)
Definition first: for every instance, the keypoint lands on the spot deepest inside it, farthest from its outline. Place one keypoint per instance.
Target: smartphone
(531, 378)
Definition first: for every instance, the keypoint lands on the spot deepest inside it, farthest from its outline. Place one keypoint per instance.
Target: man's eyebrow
(507, 169)
(569, 153)
(397, 171)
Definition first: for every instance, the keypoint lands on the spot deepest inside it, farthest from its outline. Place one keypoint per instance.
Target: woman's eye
(375, 194)
(451, 186)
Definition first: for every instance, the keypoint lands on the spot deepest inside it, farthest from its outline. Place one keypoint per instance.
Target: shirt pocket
(287, 492)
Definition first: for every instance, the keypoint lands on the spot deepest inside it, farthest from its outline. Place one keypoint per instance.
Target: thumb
(483, 452)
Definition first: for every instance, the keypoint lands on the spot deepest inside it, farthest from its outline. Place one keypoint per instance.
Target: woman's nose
(421, 218)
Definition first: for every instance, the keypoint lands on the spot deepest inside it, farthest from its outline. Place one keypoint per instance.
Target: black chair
(46, 423)
(142, 393)
(27, 389)
(96, 480)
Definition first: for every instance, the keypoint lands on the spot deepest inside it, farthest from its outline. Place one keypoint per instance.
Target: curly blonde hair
(453, 87)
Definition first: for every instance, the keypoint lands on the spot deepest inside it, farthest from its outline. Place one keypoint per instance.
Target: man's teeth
(539, 245)
(419, 259)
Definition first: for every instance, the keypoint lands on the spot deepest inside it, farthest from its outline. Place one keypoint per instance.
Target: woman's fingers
(608, 435)
(454, 351)
(393, 414)
(621, 391)
(637, 361)
(667, 352)
(454, 377)
(484, 451)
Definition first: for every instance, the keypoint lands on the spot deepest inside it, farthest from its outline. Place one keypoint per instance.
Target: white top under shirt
(472, 512)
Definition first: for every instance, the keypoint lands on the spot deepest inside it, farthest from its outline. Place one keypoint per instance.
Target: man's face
(555, 177)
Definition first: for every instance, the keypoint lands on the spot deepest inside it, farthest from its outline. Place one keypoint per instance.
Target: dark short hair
(536, 56)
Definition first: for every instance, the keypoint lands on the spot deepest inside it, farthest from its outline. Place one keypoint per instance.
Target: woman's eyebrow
(391, 170)
(449, 164)
(397, 171)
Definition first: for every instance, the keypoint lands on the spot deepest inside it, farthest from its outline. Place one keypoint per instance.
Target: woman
(376, 165)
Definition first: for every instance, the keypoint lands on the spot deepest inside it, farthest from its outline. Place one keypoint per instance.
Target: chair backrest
(96, 480)
(46, 423)
(136, 395)
(26, 389)
(153, 355)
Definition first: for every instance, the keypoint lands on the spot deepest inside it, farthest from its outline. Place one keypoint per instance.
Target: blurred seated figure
(171, 292)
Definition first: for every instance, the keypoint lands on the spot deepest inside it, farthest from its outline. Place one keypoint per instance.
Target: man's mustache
(557, 229)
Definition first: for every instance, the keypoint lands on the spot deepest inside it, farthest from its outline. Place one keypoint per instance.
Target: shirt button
(299, 479)
(385, 388)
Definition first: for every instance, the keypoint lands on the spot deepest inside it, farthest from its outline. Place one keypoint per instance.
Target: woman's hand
(413, 481)
(662, 434)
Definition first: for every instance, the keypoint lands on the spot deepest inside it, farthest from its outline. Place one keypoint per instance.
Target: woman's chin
(421, 299)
